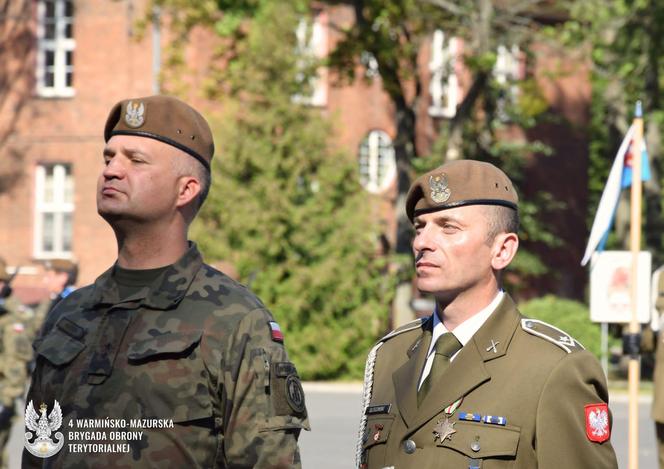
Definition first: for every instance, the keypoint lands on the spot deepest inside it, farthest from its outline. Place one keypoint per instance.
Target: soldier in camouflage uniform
(59, 279)
(15, 352)
(164, 361)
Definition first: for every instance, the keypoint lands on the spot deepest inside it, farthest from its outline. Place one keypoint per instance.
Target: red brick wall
(109, 64)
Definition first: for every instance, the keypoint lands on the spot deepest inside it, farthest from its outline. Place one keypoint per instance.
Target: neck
(458, 307)
(150, 248)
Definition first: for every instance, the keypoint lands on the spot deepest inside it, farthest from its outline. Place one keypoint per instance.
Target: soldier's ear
(503, 250)
(188, 189)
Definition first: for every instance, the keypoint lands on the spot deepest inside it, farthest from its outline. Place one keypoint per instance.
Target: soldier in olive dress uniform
(164, 361)
(658, 398)
(476, 384)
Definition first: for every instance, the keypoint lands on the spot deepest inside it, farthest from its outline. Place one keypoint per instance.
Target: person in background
(15, 353)
(60, 278)
(658, 378)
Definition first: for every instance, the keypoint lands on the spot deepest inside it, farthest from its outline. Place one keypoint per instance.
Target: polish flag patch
(275, 330)
(597, 422)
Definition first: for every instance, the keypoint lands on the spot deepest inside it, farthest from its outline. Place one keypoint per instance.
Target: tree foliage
(625, 39)
(286, 207)
(392, 34)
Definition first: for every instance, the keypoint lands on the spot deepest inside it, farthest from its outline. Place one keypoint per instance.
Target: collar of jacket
(466, 372)
(498, 329)
(164, 293)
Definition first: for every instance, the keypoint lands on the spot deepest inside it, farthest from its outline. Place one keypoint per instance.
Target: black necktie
(444, 349)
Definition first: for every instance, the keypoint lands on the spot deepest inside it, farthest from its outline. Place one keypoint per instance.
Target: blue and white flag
(620, 178)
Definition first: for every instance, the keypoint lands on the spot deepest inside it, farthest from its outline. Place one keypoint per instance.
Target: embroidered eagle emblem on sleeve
(597, 422)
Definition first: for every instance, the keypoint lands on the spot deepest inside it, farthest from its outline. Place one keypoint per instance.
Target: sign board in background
(610, 287)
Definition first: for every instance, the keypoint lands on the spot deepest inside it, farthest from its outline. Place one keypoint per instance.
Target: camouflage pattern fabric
(15, 353)
(191, 364)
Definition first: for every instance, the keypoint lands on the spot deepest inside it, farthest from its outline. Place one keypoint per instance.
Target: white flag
(607, 204)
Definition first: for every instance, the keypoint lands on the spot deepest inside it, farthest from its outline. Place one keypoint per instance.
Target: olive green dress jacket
(520, 394)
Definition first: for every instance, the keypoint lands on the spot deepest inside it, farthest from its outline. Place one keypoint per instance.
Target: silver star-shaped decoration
(443, 430)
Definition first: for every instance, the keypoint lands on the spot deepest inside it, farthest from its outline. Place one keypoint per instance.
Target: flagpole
(635, 245)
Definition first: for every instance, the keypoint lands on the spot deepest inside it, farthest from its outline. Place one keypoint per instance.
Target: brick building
(64, 63)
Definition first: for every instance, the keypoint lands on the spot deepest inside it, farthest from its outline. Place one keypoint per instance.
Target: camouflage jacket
(15, 352)
(190, 372)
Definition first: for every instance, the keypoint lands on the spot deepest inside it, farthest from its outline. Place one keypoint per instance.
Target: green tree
(286, 207)
(389, 35)
(625, 40)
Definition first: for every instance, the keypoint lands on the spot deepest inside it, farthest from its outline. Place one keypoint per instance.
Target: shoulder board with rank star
(552, 334)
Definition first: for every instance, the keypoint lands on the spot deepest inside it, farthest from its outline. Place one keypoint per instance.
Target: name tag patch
(378, 409)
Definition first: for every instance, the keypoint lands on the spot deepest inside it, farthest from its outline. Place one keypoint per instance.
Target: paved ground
(334, 414)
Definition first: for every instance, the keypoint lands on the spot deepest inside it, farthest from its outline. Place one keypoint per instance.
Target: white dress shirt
(463, 332)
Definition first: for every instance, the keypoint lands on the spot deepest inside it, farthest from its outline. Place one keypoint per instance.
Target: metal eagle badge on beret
(438, 187)
(135, 114)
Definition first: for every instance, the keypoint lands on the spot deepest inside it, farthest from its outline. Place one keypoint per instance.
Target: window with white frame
(444, 84)
(54, 198)
(507, 71)
(377, 161)
(311, 34)
(55, 51)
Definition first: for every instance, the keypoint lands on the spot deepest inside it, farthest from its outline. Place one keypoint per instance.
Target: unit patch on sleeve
(597, 422)
(295, 393)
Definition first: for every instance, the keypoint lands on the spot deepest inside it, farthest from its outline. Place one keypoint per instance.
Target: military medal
(450, 409)
(444, 429)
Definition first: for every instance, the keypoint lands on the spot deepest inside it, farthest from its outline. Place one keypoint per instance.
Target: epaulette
(409, 326)
(552, 334)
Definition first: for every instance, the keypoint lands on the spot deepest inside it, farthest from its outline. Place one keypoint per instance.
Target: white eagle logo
(599, 422)
(43, 426)
(135, 114)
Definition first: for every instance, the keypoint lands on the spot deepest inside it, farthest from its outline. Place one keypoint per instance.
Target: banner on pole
(610, 283)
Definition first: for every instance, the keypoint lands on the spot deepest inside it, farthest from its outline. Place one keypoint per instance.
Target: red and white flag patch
(275, 330)
(597, 422)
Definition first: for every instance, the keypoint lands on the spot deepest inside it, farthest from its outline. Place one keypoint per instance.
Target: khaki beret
(166, 119)
(459, 183)
(60, 265)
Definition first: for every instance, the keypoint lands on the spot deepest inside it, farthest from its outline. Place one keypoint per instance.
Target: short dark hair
(205, 178)
(501, 220)
(191, 167)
